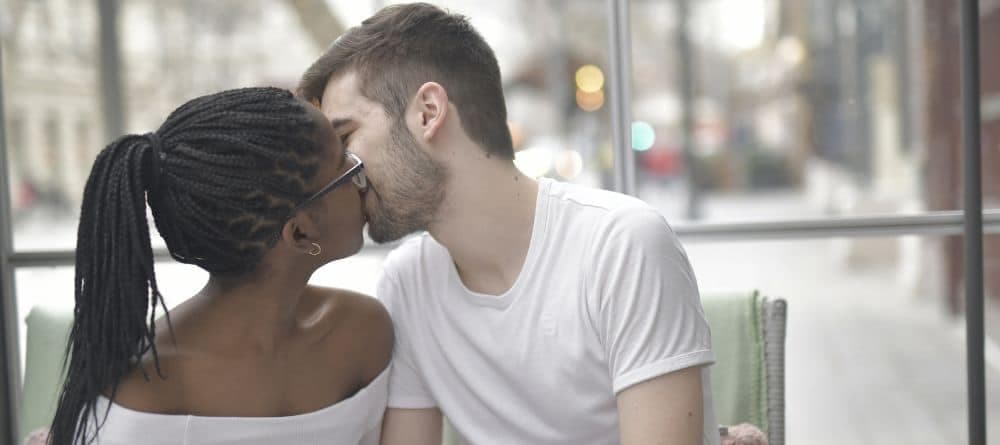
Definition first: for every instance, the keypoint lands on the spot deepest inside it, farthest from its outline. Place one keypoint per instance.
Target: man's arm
(412, 416)
(411, 426)
(653, 329)
(664, 410)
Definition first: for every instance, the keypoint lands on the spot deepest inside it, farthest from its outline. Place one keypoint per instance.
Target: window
(796, 130)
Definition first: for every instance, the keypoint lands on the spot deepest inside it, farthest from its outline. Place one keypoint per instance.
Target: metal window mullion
(619, 83)
(10, 357)
(929, 224)
(934, 223)
(111, 73)
(973, 193)
(686, 74)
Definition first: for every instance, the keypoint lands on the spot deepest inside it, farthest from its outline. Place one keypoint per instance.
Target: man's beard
(411, 192)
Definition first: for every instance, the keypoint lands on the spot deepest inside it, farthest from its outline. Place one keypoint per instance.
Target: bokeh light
(791, 50)
(590, 101)
(589, 79)
(534, 162)
(643, 136)
(569, 164)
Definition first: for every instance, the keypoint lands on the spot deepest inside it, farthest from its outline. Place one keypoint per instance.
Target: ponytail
(230, 167)
(115, 285)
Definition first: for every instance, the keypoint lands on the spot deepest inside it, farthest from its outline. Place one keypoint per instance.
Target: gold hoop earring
(315, 250)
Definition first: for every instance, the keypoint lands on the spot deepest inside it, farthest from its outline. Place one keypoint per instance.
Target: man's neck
(486, 223)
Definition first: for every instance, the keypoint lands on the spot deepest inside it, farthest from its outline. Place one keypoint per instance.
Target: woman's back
(326, 381)
(356, 420)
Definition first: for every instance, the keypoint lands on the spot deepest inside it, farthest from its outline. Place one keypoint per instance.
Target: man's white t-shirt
(606, 299)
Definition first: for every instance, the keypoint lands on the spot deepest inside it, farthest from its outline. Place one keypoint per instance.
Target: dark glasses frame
(355, 174)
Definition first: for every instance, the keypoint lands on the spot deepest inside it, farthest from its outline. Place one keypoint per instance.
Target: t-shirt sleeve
(649, 314)
(407, 387)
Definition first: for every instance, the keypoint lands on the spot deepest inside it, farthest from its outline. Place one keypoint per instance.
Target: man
(532, 311)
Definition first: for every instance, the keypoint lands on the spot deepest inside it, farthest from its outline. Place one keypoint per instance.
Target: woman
(252, 186)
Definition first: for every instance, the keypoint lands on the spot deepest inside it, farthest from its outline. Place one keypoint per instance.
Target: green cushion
(739, 385)
(48, 330)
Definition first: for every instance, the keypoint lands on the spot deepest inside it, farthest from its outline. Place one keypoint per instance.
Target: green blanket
(48, 329)
(739, 383)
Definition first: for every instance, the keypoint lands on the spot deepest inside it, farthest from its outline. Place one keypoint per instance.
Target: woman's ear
(299, 233)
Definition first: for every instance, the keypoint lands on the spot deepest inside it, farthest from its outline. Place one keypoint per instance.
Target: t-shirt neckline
(538, 231)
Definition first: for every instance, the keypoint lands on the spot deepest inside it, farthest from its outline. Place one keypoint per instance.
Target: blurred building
(171, 51)
(944, 131)
(50, 75)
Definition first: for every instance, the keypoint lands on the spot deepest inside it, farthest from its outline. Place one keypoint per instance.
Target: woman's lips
(364, 203)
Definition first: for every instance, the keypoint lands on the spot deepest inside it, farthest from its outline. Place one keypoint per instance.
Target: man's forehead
(341, 117)
(342, 88)
(344, 79)
(342, 98)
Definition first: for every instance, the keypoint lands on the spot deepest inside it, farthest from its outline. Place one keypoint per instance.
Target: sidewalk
(867, 363)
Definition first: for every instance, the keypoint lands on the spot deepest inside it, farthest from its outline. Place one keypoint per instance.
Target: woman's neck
(261, 311)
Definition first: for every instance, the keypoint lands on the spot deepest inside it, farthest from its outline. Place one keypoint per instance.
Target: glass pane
(53, 111)
(170, 51)
(810, 108)
(873, 354)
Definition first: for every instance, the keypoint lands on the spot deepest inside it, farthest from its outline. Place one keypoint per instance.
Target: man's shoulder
(610, 212)
(405, 269)
(576, 196)
(414, 253)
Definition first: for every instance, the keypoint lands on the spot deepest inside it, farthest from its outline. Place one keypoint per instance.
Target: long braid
(220, 175)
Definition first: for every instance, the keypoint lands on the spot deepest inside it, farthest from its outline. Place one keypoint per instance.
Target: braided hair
(220, 176)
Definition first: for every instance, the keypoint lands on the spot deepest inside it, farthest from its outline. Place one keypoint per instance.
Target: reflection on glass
(821, 108)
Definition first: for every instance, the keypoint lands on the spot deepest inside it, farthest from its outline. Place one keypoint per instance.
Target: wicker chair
(748, 378)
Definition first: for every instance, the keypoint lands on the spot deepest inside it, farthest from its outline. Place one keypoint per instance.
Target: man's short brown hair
(402, 47)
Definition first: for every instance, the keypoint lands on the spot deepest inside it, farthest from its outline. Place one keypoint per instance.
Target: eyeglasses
(355, 174)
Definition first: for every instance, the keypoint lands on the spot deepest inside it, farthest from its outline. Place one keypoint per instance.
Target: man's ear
(431, 103)
(299, 233)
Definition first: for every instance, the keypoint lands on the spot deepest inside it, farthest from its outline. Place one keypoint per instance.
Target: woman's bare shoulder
(359, 320)
(154, 385)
